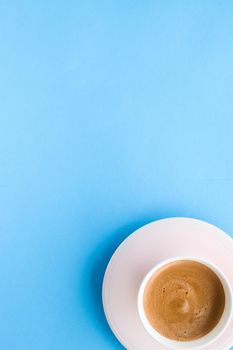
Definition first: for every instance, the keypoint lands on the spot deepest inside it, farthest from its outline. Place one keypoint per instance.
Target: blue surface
(112, 114)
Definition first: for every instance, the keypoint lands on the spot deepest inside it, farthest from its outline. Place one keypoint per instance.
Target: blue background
(112, 114)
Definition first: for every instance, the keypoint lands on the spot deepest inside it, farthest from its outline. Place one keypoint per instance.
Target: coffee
(184, 300)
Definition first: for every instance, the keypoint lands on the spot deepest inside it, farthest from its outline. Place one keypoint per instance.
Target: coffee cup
(202, 341)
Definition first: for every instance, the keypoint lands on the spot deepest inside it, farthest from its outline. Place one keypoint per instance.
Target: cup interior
(192, 344)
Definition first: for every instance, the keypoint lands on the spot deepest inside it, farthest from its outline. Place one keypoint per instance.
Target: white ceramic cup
(208, 338)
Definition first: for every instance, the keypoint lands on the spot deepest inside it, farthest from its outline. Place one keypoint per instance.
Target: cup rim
(214, 333)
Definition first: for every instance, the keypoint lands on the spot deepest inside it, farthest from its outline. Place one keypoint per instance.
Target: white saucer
(143, 249)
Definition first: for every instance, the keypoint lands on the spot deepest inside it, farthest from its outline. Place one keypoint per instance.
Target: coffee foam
(184, 300)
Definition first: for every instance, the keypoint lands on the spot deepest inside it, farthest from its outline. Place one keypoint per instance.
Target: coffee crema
(184, 300)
